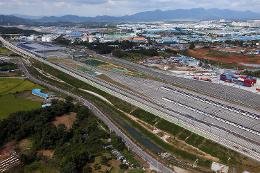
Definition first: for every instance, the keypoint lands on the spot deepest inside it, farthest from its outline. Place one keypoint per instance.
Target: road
(218, 118)
(218, 91)
(231, 126)
(128, 142)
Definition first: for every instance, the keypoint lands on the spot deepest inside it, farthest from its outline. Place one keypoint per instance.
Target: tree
(123, 166)
(119, 53)
(63, 41)
(28, 157)
(87, 170)
(192, 46)
(83, 113)
(104, 160)
(73, 149)
(69, 167)
(117, 142)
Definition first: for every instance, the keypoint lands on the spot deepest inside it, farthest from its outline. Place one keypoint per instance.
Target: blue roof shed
(38, 93)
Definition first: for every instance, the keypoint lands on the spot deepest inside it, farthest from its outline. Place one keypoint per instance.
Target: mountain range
(148, 16)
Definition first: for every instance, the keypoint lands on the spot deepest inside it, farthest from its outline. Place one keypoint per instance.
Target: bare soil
(46, 153)
(25, 145)
(225, 57)
(67, 120)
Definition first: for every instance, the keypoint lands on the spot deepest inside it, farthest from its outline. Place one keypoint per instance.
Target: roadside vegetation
(7, 66)
(193, 139)
(252, 73)
(9, 69)
(75, 84)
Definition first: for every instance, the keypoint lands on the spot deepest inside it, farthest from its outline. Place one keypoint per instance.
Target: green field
(4, 51)
(11, 86)
(9, 102)
(94, 62)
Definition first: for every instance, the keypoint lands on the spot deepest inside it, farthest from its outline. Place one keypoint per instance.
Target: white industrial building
(47, 38)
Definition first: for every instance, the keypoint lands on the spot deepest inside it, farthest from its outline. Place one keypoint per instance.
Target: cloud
(115, 7)
(54, 1)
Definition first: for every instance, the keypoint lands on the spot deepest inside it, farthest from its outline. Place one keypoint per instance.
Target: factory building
(48, 38)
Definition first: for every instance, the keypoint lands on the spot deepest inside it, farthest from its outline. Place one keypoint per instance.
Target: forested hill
(14, 30)
(146, 16)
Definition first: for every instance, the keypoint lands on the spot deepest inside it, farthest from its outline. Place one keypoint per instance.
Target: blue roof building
(75, 34)
(37, 92)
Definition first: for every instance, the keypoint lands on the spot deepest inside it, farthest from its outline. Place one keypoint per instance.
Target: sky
(115, 7)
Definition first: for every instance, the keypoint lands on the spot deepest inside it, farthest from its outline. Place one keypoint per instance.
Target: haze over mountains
(148, 16)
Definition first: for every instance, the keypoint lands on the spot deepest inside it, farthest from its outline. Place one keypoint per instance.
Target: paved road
(210, 123)
(129, 143)
(219, 91)
(230, 127)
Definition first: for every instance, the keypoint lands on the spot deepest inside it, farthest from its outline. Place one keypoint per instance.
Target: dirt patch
(67, 120)
(25, 145)
(46, 153)
(179, 170)
(225, 57)
(28, 95)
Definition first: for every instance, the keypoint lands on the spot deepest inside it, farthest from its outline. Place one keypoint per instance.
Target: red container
(248, 83)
